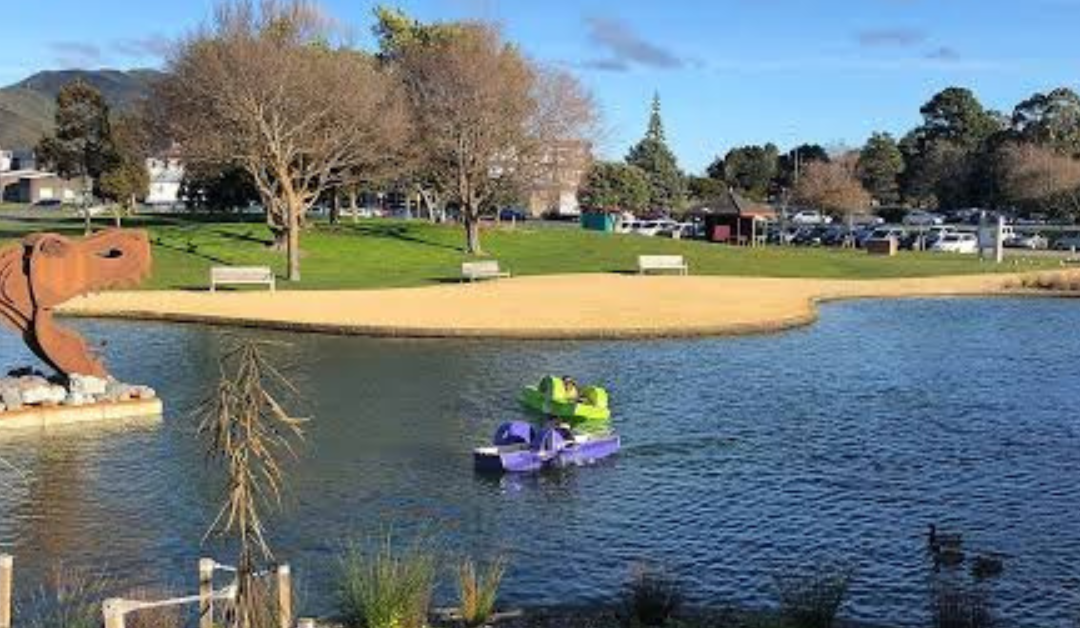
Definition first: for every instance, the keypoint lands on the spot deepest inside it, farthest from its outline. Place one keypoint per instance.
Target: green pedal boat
(551, 398)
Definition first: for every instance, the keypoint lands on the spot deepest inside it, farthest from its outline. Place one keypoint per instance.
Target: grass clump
(651, 599)
(387, 587)
(955, 606)
(479, 591)
(813, 600)
(70, 598)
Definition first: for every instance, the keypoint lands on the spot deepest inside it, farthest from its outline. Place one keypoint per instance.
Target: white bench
(472, 271)
(648, 263)
(225, 275)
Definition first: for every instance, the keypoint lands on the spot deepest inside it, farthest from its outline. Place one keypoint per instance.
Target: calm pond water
(744, 458)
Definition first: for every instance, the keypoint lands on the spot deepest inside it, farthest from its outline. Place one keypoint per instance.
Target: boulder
(87, 385)
(143, 392)
(11, 398)
(42, 394)
(77, 399)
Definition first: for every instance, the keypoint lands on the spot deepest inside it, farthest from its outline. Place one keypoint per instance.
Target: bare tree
(267, 88)
(833, 187)
(485, 116)
(1037, 176)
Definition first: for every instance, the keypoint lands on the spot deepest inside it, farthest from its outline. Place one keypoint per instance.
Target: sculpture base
(44, 417)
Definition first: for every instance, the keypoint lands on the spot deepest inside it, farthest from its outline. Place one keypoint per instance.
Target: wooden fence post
(113, 610)
(206, 592)
(7, 576)
(285, 597)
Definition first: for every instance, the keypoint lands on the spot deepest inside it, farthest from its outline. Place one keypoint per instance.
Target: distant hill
(27, 107)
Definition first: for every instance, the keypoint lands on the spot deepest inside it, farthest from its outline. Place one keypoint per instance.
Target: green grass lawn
(393, 253)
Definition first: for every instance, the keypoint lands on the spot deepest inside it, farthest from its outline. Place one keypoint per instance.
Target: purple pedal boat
(520, 447)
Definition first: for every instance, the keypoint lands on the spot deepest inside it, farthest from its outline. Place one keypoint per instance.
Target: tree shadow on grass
(401, 233)
(245, 237)
(191, 250)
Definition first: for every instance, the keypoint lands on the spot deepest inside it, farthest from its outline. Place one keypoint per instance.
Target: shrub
(652, 598)
(161, 617)
(70, 598)
(814, 600)
(479, 591)
(957, 607)
(385, 587)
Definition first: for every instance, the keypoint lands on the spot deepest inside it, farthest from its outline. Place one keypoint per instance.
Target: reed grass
(477, 591)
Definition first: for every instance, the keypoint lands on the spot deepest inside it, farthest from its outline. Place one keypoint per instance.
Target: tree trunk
(118, 217)
(353, 208)
(294, 240)
(472, 234)
(335, 209)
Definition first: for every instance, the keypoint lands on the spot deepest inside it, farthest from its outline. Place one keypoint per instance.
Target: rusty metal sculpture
(46, 270)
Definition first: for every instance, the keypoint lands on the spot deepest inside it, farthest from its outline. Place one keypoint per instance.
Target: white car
(920, 218)
(810, 217)
(1031, 241)
(966, 243)
(655, 227)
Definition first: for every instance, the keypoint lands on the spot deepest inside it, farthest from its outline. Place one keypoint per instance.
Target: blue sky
(729, 72)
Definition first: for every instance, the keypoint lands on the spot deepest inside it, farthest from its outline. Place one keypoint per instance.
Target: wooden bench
(472, 271)
(658, 263)
(247, 275)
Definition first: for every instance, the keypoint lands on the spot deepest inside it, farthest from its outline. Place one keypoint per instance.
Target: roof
(732, 203)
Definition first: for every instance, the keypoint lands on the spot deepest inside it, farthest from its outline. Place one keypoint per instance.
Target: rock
(12, 398)
(75, 399)
(116, 391)
(87, 385)
(42, 394)
(143, 392)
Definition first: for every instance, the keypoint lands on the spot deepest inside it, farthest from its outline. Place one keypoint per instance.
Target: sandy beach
(563, 306)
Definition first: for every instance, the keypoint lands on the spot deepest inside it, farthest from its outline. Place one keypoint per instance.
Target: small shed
(732, 219)
(599, 221)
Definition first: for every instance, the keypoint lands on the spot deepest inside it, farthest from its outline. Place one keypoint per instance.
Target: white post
(306, 623)
(206, 592)
(113, 610)
(285, 597)
(7, 574)
(999, 241)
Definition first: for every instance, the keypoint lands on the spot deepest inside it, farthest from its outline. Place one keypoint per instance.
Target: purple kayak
(520, 447)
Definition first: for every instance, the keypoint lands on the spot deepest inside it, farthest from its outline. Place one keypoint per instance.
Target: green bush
(387, 587)
(478, 592)
(652, 598)
(814, 600)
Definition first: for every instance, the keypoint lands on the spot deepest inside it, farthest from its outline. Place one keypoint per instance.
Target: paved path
(563, 306)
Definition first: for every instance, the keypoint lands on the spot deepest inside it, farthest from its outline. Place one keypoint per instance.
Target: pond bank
(592, 306)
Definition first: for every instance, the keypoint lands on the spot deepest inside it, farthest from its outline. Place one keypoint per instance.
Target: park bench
(247, 275)
(647, 263)
(472, 271)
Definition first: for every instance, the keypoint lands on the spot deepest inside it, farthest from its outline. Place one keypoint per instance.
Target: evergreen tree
(879, 168)
(652, 155)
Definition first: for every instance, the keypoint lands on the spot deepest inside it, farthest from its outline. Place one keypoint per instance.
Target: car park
(810, 217)
(920, 218)
(1068, 242)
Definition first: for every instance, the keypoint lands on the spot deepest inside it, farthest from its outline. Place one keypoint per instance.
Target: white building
(166, 174)
(6, 157)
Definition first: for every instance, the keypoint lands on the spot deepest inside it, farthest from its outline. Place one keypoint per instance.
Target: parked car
(884, 233)
(925, 239)
(48, 202)
(510, 214)
(966, 243)
(1068, 242)
(810, 217)
(1032, 241)
(920, 218)
(653, 227)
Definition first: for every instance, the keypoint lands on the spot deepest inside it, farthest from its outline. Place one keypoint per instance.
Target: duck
(987, 566)
(947, 548)
(938, 542)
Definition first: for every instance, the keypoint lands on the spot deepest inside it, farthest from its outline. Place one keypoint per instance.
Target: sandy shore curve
(594, 306)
